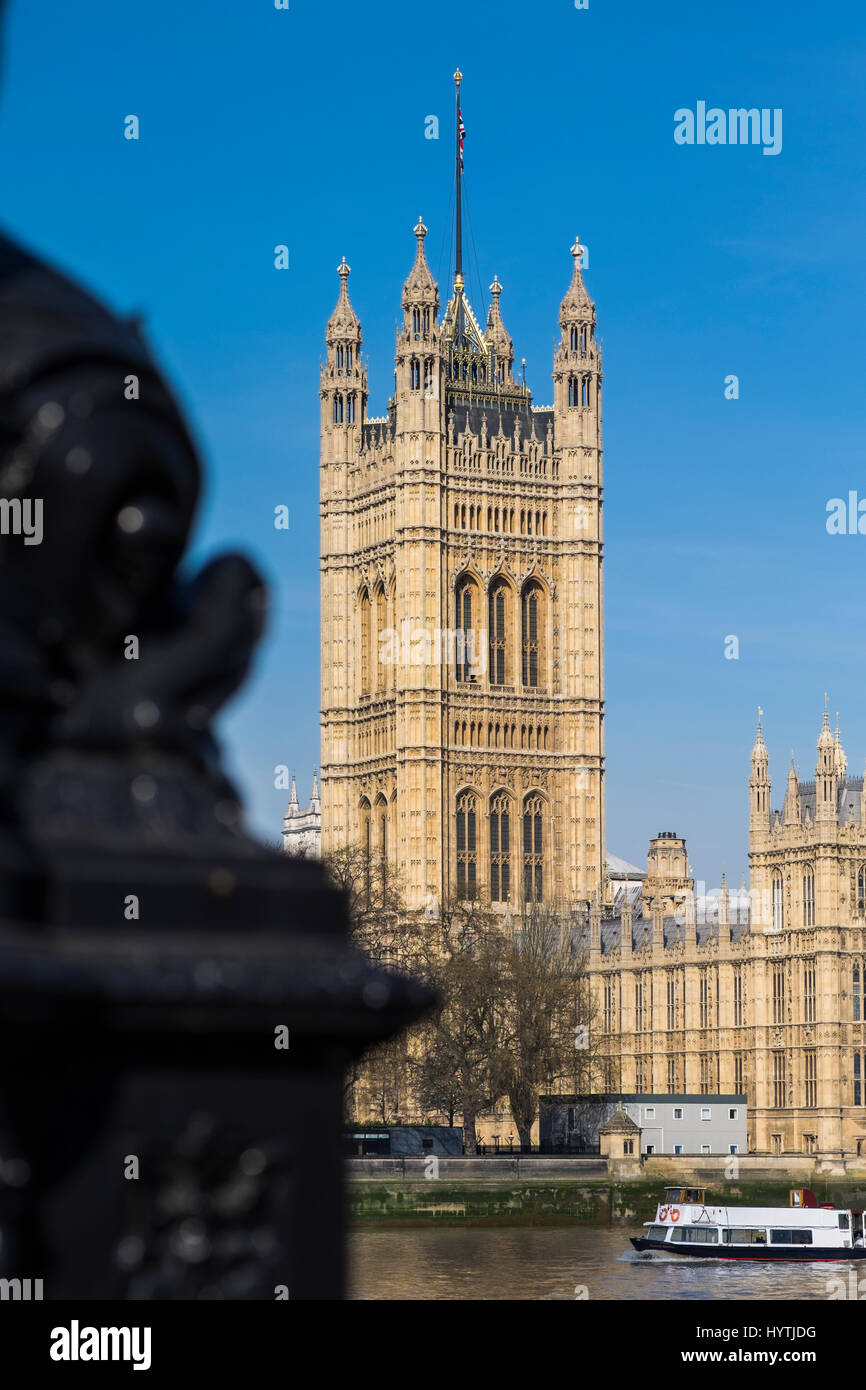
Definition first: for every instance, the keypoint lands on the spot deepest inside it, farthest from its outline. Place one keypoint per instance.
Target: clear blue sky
(306, 127)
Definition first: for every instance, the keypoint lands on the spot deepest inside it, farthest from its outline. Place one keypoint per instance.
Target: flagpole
(458, 265)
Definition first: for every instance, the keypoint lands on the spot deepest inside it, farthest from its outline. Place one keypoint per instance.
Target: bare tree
(456, 1062)
(546, 1035)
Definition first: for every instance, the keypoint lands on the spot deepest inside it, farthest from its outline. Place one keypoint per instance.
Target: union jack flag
(461, 131)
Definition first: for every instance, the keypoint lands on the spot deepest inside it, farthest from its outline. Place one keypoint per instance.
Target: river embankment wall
(523, 1190)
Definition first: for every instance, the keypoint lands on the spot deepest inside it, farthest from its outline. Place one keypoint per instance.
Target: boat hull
(804, 1254)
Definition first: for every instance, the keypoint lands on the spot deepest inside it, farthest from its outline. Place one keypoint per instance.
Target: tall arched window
(415, 374)
(467, 607)
(584, 391)
(533, 849)
(380, 829)
(380, 647)
(338, 410)
(339, 359)
(366, 638)
(366, 836)
(350, 409)
(498, 619)
(778, 902)
(573, 391)
(348, 359)
(500, 848)
(861, 890)
(416, 321)
(392, 668)
(533, 634)
(467, 846)
(809, 898)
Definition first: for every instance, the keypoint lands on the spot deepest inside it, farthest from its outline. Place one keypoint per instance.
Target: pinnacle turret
(419, 286)
(577, 305)
(344, 322)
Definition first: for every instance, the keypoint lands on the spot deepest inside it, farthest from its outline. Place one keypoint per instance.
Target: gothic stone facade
(462, 678)
(765, 998)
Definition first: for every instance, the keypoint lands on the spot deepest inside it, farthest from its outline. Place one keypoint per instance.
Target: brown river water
(567, 1262)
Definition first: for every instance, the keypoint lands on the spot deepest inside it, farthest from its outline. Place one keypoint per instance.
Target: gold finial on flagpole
(458, 78)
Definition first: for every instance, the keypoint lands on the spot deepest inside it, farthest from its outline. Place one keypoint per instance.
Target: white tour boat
(804, 1230)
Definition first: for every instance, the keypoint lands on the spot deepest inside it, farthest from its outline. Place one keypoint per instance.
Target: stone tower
(462, 672)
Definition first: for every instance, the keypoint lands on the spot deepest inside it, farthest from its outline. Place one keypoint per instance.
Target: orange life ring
(675, 1213)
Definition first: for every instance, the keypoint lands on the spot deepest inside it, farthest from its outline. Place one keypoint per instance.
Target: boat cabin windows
(844, 1221)
(695, 1235)
(696, 1196)
(658, 1232)
(744, 1235)
(791, 1237)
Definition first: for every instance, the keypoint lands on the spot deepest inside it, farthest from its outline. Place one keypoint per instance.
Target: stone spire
(759, 782)
(294, 808)
(419, 286)
(496, 334)
(792, 797)
(344, 322)
(826, 773)
(841, 762)
(576, 306)
(315, 801)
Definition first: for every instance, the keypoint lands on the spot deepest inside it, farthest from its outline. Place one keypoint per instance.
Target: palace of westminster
(463, 725)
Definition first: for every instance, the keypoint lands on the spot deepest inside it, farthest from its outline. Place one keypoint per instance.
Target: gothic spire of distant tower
(759, 782)
(792, 797)
(496, 334)
(840, 760)
(826, 772)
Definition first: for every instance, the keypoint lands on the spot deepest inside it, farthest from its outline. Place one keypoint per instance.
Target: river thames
(573, 1262)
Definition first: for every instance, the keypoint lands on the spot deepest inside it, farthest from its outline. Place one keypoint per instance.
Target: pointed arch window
(467, 605)
(339, 359)
(416, 321)
(498, 631)
(500, 848)
(809, 898)
(533, 633)
(573, 340)
(348, 359)
(778, 902)
(573, 391)
(861, 890)
(381, 628)
(366, 828)
(415, 374)
(350, 409)
(533, 848)
(366, 639)
(584, 391)
(338, 409)
(381, 827)
(467, 850)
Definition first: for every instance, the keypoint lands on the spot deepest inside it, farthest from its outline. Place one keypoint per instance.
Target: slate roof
(849, 797)
(674, 931)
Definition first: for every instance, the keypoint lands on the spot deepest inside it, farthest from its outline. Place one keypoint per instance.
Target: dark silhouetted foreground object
(176, 1002)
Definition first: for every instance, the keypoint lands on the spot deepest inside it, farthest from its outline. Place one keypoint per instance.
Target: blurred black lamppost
(177, 1002)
